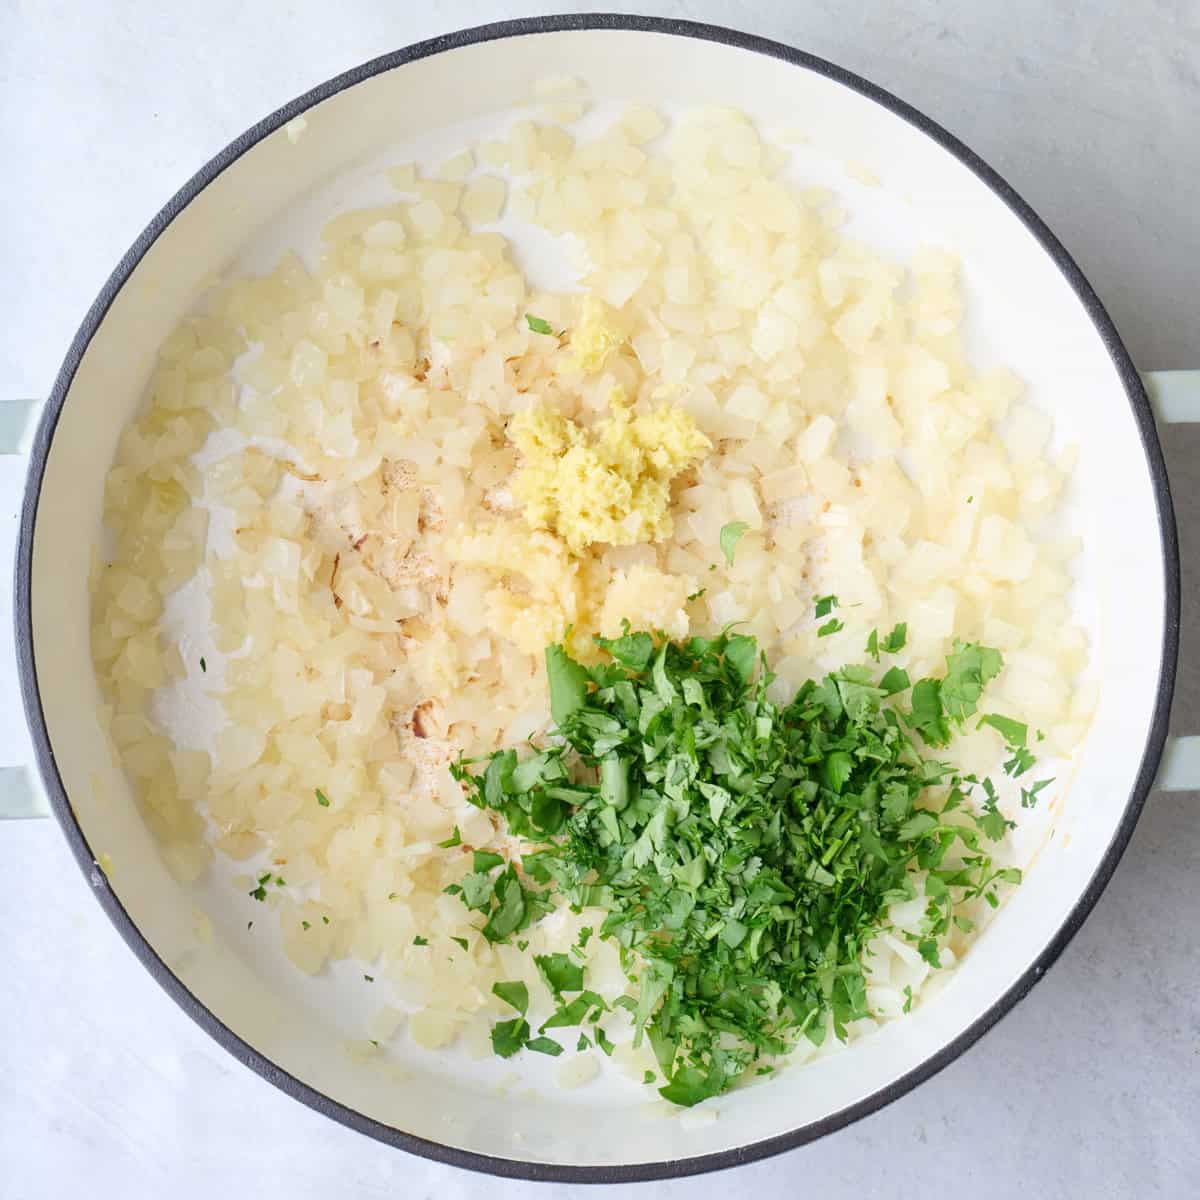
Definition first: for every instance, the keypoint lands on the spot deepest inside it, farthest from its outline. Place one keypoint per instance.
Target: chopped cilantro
(896, 640)
(648, 1077)
(515, 994)
(509, 1036)
(538, 324)
(825, 605)
(455, 839)
(583, 1043)
(696, 595)
(203, 664)
(908, 998)
(1013, 732)
(744, 851)
(568, 683)
(968, 669)
(632, 650)
(485, 860)
(544, 1045)
(559, 972)
(259, 891)
(927, 713)
(603, 1041)
(730, 535)
(420, 941)
(832, 626)
(1022, 759)
(462, 941)
(369, 978)
(574, 1013)
(1029, 795)
(992, 821)
(305, 925)
(324, 920)
(322, 799)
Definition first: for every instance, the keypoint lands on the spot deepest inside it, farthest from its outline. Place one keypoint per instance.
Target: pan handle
(1175, 398)
(20, 792)
(21, 795)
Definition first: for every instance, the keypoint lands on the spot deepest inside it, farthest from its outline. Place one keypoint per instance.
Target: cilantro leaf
(455, 839)
(633, 650)
(485, 860)
(538, 324)
(509, 1036)
(691, 1085)
(968, 669)
(992, 821)
(1014, 733)
(1029, 795)
(740, 653)
(568, 683)
(477, 890)
(838, 768)
(825, 605)
(574, 1013)
(730, 535)
(544, 1045)
(927, 712)
(559, 972)
(509, 914)
(513, 993)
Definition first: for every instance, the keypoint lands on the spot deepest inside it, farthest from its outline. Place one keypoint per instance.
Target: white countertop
(1091, 1086)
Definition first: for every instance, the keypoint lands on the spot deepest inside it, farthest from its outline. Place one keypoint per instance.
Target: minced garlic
(594, 338)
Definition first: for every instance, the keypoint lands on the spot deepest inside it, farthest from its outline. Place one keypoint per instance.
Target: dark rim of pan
(517, 1168)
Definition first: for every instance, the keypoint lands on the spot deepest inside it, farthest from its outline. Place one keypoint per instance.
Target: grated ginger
(612, 484)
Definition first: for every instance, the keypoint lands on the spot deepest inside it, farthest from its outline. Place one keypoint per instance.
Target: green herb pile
(744, 852)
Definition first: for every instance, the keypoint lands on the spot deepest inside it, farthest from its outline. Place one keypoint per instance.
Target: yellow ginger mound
(609, 484)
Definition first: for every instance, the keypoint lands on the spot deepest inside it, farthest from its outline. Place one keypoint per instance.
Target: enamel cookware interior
(1029, 308)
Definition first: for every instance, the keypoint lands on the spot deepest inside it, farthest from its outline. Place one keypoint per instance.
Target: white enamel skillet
(1030, 308)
